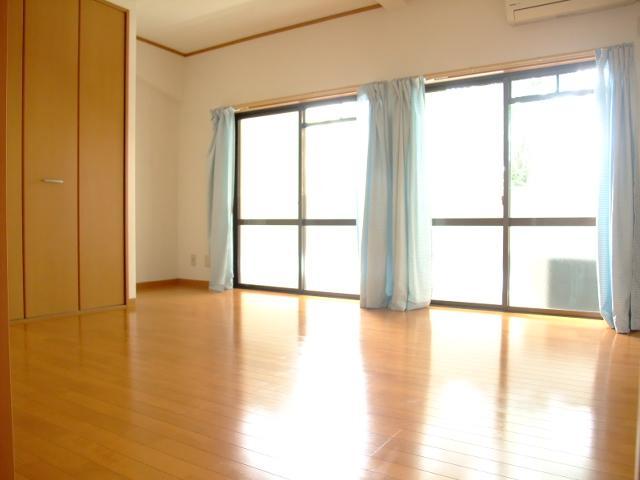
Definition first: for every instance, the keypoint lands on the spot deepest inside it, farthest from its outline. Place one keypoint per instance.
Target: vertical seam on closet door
(22, 187)
(78, 154)
(125, 157)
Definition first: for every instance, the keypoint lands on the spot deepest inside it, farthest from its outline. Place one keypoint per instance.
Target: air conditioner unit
(524, 11)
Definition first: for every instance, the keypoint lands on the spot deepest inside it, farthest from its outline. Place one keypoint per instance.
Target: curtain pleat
(220, 198)
(619, 199)
(396, 226)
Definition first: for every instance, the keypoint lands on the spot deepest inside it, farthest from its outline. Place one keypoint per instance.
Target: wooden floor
(249, 385)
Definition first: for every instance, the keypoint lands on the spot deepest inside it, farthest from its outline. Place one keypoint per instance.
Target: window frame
(507, 221)
(301, 222)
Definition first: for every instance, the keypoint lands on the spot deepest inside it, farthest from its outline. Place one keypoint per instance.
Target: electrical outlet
(194, 260)
(207, 261)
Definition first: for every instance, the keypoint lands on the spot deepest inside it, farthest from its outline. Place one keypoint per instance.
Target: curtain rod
(520, 65)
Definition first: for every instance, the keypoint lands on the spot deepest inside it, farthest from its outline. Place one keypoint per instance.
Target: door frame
(6, 427)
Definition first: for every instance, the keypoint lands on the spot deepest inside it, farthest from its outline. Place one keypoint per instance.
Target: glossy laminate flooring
(250, 385)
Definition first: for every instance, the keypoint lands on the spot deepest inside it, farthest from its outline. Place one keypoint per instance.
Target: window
(298, 170)
(514, 172)
(514, 204)
(469, 174)
(269, 167)
(467, 263)
(466, 191)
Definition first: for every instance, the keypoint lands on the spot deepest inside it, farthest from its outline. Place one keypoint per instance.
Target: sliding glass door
(513, 182)
(268, 171)
(553, 153)
(464, 150)
(298, 171)
(514, 190)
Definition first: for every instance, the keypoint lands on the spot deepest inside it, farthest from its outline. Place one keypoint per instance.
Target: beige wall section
(424, 36)
(101, 155)
(159, 93)
(50, 151)
(14, 160)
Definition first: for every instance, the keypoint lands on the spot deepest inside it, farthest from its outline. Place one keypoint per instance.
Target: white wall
(131, 153)
(426, 36)
(159, 96)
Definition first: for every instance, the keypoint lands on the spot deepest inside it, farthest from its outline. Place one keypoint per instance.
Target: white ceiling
(188, 25)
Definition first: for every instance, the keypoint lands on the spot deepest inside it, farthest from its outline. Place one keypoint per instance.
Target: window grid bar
(549, 96)
(516, 222)
(506, 191)
(328, 122)
(329, 222)
(332, 222)
(553, 222)
(467, 222)
(301, 198)
(236, 204)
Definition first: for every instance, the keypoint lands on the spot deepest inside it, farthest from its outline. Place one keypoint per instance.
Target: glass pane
(330, 111)
(334, 170)
(269, 166)
(533, 86)
(554, 158)
(331, 259)
(269, 255)
(467, 264)
(579, 80)
(553, 267)
(465, 153)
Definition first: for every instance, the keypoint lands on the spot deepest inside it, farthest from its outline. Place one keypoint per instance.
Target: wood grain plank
(101, 155)
(260, 385)
(14, 161)
(6, 434)
(50, 151)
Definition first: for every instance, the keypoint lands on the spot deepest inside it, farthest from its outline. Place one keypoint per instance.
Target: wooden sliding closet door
(102, 144)
(50, 145)
(6, 434)
(14, 159)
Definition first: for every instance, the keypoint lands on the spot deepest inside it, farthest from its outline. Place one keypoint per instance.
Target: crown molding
(262, 34)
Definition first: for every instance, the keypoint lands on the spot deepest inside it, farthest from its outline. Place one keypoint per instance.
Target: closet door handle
(57, 181)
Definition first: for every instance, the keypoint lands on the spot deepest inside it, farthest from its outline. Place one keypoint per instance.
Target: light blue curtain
(396, 226)
(619, 201)
(220, 198)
